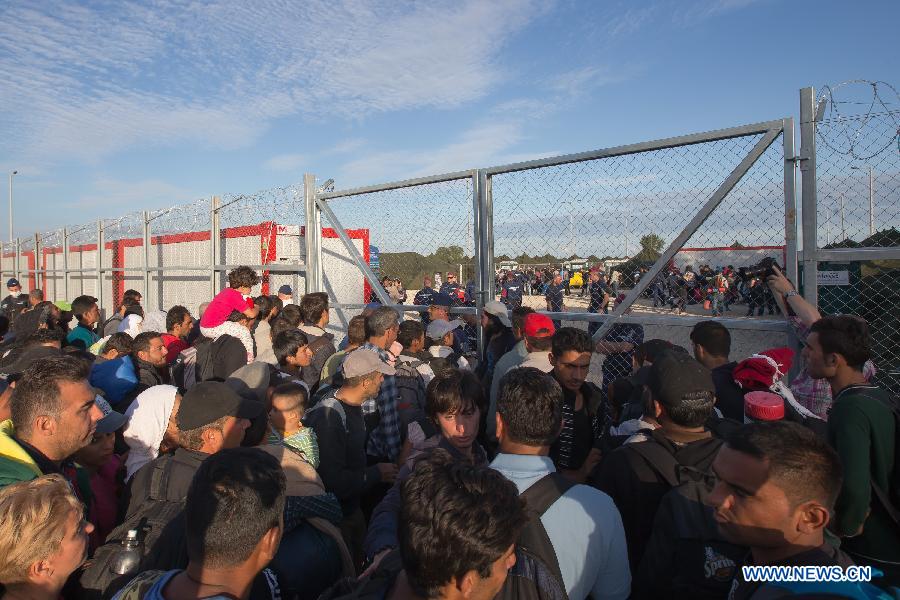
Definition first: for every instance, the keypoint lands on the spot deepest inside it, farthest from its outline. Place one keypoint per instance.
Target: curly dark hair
(455, 518)
(242, 276)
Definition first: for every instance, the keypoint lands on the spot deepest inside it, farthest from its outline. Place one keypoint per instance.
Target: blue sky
(108, 108)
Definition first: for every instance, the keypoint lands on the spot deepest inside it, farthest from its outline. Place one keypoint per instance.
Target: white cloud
(482, 146)
(689, 14)
(84, 81)
(286, 162)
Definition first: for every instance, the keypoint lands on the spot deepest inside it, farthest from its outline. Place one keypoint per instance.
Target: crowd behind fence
(699, 200)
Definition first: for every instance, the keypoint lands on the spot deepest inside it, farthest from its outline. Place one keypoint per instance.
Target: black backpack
(160, 525)
(536, 575)
(890, 498)
(439, 364)
(686, 557)
(410, 384)
(373, 586)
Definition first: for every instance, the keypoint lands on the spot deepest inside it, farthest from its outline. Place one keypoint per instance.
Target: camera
(760, 270)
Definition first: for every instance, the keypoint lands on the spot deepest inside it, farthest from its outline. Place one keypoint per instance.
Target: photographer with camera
(814, 394)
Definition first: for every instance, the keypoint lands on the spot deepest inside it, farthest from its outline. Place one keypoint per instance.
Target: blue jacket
(115, 377)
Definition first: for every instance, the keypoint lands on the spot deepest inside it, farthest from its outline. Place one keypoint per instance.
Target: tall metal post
(38, 263)
(312, 238)
(808, 178)
(214, 246)
(871, 202)
(145, 247)
(65, 253)
(100, 264)
(790, 201)
(18, 257)
(478, 178)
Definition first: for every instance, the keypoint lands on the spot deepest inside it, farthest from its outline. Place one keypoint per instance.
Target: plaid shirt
(815, 394)
(384, 440)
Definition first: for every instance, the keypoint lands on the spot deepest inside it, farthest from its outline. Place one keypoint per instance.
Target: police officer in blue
(511, 292)
(452, 288)
(554, 297)
(423, 298)
(599, 297)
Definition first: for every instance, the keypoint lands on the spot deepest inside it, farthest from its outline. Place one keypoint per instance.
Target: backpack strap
(534, 538)
(547, 490)
(159, 479)
(334, 404)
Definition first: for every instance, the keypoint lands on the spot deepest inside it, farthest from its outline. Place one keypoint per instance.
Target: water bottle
(128, 558)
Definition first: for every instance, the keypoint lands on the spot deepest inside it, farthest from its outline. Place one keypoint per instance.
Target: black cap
(212, 400)
(27, 357)
(674, 375)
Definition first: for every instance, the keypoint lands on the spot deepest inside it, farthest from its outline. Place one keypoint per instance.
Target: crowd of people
(247, 452)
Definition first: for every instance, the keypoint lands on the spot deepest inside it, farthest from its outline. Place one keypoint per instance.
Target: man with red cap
(539, 330)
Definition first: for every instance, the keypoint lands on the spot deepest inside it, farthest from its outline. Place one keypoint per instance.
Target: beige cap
(362, 362)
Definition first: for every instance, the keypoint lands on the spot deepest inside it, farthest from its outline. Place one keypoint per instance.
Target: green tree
(652, 244)
(451, 254)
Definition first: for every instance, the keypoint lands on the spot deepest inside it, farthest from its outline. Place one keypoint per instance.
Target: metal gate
(683, 190)
(850, 167)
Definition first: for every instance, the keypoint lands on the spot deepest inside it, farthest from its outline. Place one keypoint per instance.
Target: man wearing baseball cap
(439, 310)
(211, 417)
(441, 334)
(683, 399)
(539, 330)
(13, 305)
(341, 431)
(286, 295)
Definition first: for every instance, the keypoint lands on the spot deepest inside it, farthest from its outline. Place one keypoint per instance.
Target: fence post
(478, 179)
(213, 246)
(145, 246)
(100, 264)
(808, 175)
(312, 237)
(37, 264)
(18, 256)
(65, 253)
(790, 201)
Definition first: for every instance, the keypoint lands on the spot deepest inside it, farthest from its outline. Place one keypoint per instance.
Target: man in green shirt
(861, 428)
(87, 312)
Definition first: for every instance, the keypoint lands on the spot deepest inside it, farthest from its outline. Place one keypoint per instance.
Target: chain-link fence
(857, 145)
(407, 232)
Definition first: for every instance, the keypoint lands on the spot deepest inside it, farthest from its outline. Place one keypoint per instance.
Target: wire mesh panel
(180, 252)
(7, 260)
(122, 257)
(83, 262)
(249, 227)
(858, 195)
(858, 166)
(27, 265)
(403, 233)
(618, 213)
(52, 279)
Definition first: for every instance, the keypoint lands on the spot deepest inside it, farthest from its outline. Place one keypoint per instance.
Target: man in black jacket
(148, 354)
(712, 345)
(13, 305)
(683, 397)
(341, 432)
(314, 311)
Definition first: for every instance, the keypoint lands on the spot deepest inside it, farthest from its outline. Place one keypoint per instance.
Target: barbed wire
(875, 119)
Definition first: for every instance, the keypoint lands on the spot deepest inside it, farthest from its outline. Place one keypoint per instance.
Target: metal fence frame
(483, 223)
(214, 266)
(812, 254)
